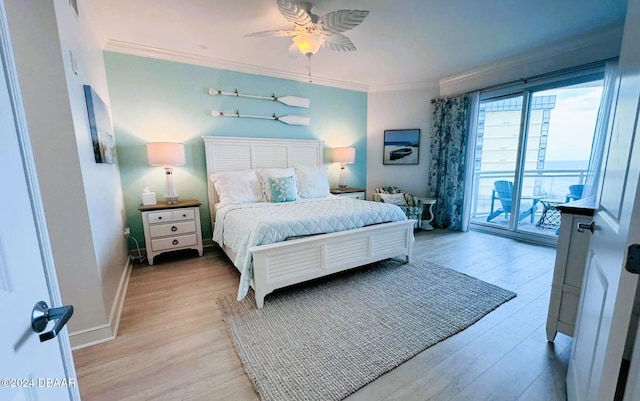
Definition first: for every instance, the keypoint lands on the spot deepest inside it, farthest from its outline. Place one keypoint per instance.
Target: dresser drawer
(169, 243)
(176, 228)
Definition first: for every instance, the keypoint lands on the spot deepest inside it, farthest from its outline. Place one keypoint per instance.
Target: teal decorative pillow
(283, 189)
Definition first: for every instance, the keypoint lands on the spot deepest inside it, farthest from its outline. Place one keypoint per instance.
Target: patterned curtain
(448, 155)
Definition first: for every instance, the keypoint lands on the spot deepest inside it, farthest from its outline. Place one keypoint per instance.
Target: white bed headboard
(230, 153)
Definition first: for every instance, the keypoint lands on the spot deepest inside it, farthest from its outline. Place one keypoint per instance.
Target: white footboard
(290, 262)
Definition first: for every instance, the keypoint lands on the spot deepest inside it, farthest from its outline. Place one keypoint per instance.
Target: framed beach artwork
(104, 146)
(401, 146)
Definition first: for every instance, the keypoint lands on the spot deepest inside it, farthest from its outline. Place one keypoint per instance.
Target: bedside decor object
(104, 146)
(293, 101)
(167, 155)
(171, 227)
(401, 146)
(148, 198)
(343, 156)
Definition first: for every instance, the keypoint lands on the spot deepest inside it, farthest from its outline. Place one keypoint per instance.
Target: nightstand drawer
(162, 230)
(160, 217)
(183, 214)
(175, 215)
(174, 242)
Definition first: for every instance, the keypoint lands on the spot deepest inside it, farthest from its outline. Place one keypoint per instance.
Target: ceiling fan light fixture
(308, 44)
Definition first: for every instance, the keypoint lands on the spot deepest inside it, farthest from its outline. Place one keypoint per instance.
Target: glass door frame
(520, 153)
(526, 90)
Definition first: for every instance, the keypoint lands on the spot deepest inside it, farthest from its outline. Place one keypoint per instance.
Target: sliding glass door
(532, 152)
(497, 155)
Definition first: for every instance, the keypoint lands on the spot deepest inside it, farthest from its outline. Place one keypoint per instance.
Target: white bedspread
(240, 227)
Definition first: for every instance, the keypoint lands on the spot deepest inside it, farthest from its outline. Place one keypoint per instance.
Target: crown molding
(204, 61)
(404, 86)
(599, 37)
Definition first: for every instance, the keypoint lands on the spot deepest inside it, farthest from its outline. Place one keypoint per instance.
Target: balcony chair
(575, 192)
(409, 203)
(503, 191)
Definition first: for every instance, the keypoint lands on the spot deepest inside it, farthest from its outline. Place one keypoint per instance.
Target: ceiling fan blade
(341, 20)
(292, 12)
(339, 43)
(279, 34)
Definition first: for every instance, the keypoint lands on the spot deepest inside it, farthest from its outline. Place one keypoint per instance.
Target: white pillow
(235, 187)
(313, 182)
(265, 173)
(394, 199)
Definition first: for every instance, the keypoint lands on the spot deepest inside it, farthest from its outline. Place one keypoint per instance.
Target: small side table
(425, 224)
(550, 217)
(170, 227)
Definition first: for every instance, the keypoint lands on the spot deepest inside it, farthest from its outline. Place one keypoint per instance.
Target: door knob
(583, 226)
(41, 315)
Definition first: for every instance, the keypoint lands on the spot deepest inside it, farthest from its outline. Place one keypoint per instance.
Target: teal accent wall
(155, 100)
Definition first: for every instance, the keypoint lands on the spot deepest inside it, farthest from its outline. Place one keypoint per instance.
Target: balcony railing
(544, 184)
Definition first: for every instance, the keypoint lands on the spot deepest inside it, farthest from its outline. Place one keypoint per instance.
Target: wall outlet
(127, 232)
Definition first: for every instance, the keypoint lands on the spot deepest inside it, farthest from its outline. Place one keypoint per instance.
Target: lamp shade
(344, 155)
(165, 154)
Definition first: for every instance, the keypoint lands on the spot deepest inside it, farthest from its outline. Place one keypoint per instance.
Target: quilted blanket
(240, 227)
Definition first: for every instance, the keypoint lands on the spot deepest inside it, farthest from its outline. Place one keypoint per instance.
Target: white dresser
(355, 193)
(170, 227)
(571, 255)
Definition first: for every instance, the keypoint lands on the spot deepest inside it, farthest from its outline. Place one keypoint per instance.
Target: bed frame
(285, 263)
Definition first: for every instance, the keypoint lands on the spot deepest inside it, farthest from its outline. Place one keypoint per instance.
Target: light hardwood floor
(173, 345)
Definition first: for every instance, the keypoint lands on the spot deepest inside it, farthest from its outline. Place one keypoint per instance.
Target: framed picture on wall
(401, 146)
(104, 146)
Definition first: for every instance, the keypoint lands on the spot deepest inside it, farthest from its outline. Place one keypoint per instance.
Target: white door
(29, 369)
(608, 289)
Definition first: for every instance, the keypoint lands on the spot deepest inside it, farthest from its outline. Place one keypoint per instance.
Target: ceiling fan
(310, 31)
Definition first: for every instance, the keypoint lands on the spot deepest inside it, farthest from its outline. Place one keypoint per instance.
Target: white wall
(400, 109)
(103, 189)
(82, 200)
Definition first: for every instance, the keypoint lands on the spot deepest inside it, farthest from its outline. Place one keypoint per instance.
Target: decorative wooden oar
(288, 100)
(289, 119)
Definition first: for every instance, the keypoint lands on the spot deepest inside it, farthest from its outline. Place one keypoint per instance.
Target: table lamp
(167, 155)
(343, 156)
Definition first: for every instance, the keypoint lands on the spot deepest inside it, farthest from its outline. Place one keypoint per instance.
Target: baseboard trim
(106, 332)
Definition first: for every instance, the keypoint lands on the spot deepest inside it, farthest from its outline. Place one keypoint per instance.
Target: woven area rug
(325, 339)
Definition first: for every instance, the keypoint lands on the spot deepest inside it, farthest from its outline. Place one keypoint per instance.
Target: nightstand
(170, 227)
(425, 224)
(355, 193)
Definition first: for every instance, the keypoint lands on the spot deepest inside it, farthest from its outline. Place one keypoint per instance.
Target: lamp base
(342, 180)
(170, 193)
(171, 199)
